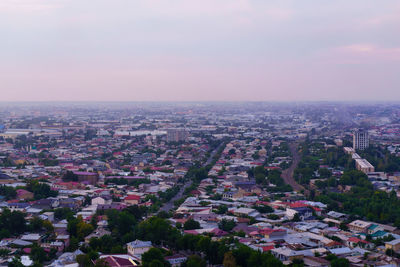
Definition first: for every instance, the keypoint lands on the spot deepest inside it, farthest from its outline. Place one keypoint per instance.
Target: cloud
(358, 48)
(191, 49)
(28, 6)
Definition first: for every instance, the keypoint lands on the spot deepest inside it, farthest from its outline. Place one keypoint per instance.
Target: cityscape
(193, 184)
(211, 133)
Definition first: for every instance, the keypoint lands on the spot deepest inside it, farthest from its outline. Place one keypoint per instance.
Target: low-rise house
(21, 243)
(70, 203)
(138, 247)
(393, 245)
(336, 215)
(97, 234)
(101, 200)
(117, 206)
(48, 216)
(18, 206)
(89, 177)
(23, 194)
(48, 203)
(245, 212)
(341, 251)
(273, 233)
(64, 239)
(353, 242)
(359, 226)
(286, 254)
(176, 260)
(132, 200)
(303, 212)
(67, 259)
(57, 245)
(120, 260)
(315, 261)
(31, 238)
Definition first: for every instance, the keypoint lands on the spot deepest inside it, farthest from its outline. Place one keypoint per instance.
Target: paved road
(170, 204)
(287, 174)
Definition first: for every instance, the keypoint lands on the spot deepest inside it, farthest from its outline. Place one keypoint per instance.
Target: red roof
(118, 261)
(316, 208)
(272, 168)
(297, 205)
(354, 239)
(262, 203)
(132, 197)
(22, 191)
(267, 231)
(218, 232)
(195, 192)
(85, 173)
(191, 232)
(267, 248)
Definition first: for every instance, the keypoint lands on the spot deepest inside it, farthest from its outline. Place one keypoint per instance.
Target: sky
(191, 50)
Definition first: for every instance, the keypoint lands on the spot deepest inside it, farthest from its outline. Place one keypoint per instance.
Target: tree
(242, 254)
(63, 213)
(191, 224)
(258, 258)
(340, 262)
(70, 176)
(156, 263)
(4, 252)
(153, 257)
(83, 229)
(324, 173)
(296, 218)
(101, 263)
(73, 244)
(297, 263)
(16, 262)
(222, 209)
(263, 209)
(12, 223)
(273, 216)
(195, 261)
(229, 260)
(40, 190)
(83, 260)
(343, 226)
(203, 244)
(126, 222)
(36, 224)
(226, 225)
(8, 192)
(38, 254)
(260, 178)
(157, 230)
(78, 228)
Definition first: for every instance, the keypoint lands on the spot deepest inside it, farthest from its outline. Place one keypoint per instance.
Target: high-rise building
(360, 139)
(177, 135)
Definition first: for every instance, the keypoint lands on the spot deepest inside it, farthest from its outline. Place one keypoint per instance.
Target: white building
(138, 247)
(101, 201)
(177, 135)
(364, 166)
(360, 140)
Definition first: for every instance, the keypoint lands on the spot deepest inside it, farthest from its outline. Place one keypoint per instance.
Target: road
(287, 174)
(170, 204)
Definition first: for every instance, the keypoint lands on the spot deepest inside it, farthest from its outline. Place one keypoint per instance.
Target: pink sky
(230, 50)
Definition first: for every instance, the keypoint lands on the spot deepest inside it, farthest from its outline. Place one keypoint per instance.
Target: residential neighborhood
(179, 189)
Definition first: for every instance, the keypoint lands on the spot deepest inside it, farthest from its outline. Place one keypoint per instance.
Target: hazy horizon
(199, 51)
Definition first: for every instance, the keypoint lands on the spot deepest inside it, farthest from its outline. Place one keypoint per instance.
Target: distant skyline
(209, 50)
